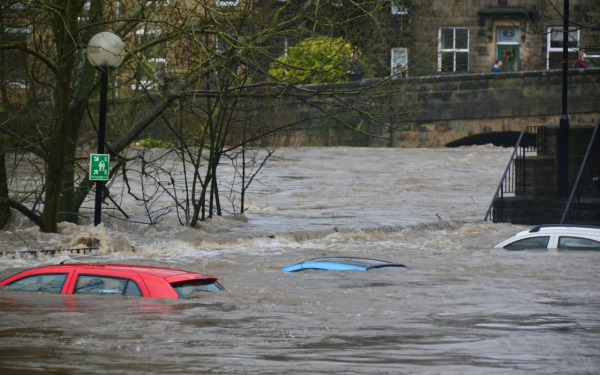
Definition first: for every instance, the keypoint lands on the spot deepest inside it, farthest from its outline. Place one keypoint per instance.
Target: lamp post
(563, 132)
(104, 51)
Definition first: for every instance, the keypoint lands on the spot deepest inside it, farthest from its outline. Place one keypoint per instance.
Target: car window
(45, 283)
(577, 243)
(185, 289)
(95, 284)
(132, 289)
(529, 243)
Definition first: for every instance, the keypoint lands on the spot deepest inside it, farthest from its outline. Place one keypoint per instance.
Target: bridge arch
(475, 132)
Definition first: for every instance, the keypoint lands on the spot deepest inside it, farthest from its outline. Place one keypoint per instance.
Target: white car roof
(575, 229)
(566, 229)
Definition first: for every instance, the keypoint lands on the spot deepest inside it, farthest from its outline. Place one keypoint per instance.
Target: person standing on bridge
(580, 64)
(497, 66)
(355, 70)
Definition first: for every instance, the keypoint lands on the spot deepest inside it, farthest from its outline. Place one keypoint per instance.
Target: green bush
(313, 60)
(153, 143)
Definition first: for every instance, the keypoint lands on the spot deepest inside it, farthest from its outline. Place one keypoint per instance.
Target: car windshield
(361, 262)
(186, 289)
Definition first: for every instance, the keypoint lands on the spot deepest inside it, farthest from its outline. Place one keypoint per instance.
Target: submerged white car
(566, 237)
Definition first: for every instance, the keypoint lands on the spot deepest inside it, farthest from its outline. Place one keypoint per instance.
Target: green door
(510, 58)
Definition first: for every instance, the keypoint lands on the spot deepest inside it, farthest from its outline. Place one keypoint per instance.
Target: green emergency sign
(99, 167)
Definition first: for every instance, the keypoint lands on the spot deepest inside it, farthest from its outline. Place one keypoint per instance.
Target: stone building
(431, 37)
(468, 36)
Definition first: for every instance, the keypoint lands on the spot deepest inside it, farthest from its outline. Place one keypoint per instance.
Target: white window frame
(219, 49)
(399, 8)
(587, 57)
(19, 6)
(398, 49)
(227, 3)
(454, 50)
(559, 49)
(20, 30)
(147, 32)
(148, 84)
(163, 3)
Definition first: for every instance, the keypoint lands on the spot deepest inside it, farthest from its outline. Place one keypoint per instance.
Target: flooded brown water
(461, 307)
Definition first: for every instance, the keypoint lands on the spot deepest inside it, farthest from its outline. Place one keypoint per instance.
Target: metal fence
(513, 181)
(587, 184)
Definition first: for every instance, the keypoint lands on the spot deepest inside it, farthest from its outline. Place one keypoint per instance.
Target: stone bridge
(462, 109)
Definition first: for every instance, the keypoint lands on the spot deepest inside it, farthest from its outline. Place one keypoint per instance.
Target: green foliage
(153, 143)
(321, 59)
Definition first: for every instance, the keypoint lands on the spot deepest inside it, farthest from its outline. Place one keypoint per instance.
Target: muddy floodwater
(462, 307)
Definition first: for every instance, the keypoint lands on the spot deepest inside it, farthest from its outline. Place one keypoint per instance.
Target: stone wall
(442, 109)
(424, 111)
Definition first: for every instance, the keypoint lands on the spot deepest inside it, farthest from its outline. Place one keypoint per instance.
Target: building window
(555, 46)
(399, 60)
(221, 44)
(453, 50)
(398, 7)
(155, 59)
(592, 59)
(15, 60)
(157, 3)
(20, 5)
(281, 48)
(227, 3)
(508, 47)
(84, 16)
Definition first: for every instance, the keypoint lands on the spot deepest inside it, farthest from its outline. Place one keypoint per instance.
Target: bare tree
(211, 60)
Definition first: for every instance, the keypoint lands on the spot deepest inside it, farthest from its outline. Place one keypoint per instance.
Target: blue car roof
(342, 264)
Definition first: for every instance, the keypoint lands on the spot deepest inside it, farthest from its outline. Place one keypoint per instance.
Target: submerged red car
(127, 280)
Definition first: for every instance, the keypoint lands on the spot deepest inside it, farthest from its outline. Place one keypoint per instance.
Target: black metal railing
(36, 253)
(513, 181)
(587, 183)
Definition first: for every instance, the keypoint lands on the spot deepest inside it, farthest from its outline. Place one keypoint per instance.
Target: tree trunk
(68, 210)
(4, 210)
(60, 120)
(56, 154)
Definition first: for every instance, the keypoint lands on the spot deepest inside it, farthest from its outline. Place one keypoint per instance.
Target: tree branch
(31, 52)
(37, 219)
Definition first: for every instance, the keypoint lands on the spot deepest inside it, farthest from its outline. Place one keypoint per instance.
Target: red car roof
(146, 270)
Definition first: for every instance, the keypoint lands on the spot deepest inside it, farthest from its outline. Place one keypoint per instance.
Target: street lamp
(104, 51)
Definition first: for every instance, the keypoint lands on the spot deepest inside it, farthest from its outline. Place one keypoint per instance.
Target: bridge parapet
(440, 110)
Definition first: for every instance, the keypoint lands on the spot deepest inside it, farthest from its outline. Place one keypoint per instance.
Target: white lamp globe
(105, 50)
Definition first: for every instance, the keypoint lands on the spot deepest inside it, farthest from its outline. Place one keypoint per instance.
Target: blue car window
(361, 262)
(342, 264)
